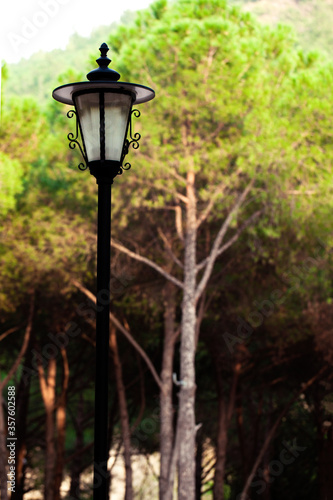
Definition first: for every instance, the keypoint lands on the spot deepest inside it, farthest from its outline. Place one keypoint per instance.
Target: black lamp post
(103, 110)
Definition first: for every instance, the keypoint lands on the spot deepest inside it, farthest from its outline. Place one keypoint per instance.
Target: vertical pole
(101, 452)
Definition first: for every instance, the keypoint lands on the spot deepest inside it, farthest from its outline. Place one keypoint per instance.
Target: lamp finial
(103, 72)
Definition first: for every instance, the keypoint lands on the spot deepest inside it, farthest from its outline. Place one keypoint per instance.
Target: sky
(28, 26)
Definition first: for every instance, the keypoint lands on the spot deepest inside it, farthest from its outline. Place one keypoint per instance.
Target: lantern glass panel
(87, 107)
(108, 112)
(117, 109)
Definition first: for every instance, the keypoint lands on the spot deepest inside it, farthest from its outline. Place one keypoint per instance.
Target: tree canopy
(225, 215)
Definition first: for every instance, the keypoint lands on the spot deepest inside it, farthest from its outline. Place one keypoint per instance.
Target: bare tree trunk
(184, 446)
(198, 466)
(112, 419)
(23, 394)
(48, 386)
(166, 416)
(124, 419)
(3, 454)
(271, 433)
(325, 465)
(225, 410)
(240, 432)
(186, 415)
(61, 428)
(76, 461)
(12, 371)
(221, 449)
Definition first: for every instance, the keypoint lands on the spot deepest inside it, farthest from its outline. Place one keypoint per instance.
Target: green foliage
(235, 101)
(11, 172)
(311, 19)
(41, 71)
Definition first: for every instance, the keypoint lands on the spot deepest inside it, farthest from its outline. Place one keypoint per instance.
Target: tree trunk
(124, 419)
(21, 422)
(166, 416)
(240, 432)
(61, 428)
(221, 449)
(48, 386)
(112, 419)
(12, 371)
(3, 454)
(325, 465)
(76, 462)
(225, 411)
(271, 433)
(186, 415)
(198, 466)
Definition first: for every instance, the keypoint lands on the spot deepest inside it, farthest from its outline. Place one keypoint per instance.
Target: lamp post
(103, 111)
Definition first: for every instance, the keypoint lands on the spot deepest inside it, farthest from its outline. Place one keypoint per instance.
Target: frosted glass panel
(117, 108)
(116, 111)
(87, 106)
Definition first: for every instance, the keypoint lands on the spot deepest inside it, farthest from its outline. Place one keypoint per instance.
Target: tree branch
(177, 195)
(216, 249)
(179, 223)
(210, 204)
(125, 332)
(149, 263)
(24, 345)
(168, 248)
(273, 430)
(11, 330)
(232, 240)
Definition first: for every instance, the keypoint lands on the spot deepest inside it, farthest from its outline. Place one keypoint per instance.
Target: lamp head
(103, 108)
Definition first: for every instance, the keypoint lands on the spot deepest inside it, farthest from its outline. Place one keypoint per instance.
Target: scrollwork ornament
(134, 140)
(73, 142)
(136, 137)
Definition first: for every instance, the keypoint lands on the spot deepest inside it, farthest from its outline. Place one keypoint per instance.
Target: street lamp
(103, 111)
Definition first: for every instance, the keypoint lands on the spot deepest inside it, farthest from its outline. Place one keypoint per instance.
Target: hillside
(44, 71)
(312, 21)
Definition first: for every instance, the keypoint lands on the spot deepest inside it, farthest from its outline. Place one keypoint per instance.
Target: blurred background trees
(238, 106)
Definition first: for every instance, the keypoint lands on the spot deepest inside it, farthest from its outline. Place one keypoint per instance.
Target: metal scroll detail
(134, 142)
(73, 142)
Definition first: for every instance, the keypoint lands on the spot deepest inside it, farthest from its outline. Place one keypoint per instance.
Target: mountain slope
(312, 20)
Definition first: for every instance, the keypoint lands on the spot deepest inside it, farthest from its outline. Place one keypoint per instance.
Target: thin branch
(177, 176)
(200, 315)
(11, 330)
(143, 397)
(178, 216)
(149, 263)
(177, 195)
(216, 250)
(210, 204)
(179, 223)
(88, 339)
(273, 430)
(24, 345)
(232, 240)
(168, 248)
(125, 332)
(298, 192)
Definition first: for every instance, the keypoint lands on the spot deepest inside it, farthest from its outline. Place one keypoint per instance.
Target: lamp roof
(103, 79)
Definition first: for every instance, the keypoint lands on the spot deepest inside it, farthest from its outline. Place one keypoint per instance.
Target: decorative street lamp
(103, 110)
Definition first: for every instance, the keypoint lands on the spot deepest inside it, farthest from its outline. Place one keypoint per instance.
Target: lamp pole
(101, 451)
(103, 110)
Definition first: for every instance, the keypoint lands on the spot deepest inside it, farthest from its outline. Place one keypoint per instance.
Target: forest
(221, 267)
